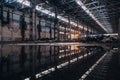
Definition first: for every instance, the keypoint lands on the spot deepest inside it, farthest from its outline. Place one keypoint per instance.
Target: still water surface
(20, 62)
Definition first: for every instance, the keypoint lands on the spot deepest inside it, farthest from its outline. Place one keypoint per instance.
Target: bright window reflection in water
(43, 60)
(60, 66)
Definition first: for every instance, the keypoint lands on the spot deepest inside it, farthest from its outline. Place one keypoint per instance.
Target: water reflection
(33, 62)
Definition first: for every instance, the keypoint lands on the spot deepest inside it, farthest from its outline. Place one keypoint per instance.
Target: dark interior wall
(115, 24)
(119, 29)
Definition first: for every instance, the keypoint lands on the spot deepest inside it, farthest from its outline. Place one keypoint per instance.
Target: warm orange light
(77, 35)
(76, 48)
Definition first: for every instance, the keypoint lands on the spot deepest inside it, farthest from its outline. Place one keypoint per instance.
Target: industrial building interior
(59, 39)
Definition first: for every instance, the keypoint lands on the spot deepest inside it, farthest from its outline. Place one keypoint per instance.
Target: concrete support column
(34, 25)
(32, 21)
(31, 25)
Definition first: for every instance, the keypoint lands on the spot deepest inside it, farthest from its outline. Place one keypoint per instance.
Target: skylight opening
(92, 16)
(45, 11)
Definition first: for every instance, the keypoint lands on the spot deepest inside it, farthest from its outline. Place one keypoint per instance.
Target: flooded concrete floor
(48, 62)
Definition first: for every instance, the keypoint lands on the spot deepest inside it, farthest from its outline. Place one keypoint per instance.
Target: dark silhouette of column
(31, 23)
(39, 28)
(31, 62)
(39, 57)
(50, 53)
(55, 23)
(56, 49)
(23, 26)
(23, 57)
(50, 32)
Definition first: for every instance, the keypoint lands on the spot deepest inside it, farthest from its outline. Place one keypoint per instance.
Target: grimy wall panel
(12, 31)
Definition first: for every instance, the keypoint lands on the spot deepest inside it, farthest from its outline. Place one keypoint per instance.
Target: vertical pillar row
(31, 25)
(34, 24)
(50, 31)
(55, 23)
